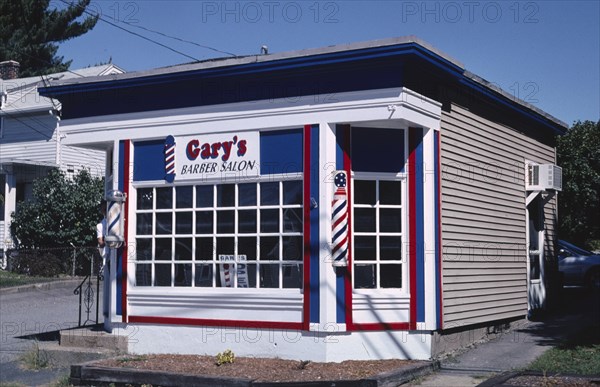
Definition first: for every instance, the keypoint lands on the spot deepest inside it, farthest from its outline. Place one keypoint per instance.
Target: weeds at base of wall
(35, 358)
(225, 357)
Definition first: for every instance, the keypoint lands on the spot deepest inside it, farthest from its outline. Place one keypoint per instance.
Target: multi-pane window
(377, 231)
(242, 235)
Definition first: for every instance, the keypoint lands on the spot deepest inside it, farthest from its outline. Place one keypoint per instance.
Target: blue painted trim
(119, 257)
(503, 101)
(340, 280)
(257, 67)
(281, 151)
(315, 304)
(412, 48)
(419, 213)
(436, 176)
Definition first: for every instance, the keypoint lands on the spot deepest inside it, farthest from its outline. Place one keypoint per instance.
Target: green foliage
(29, 31)
(580, 354)
(9, 279)
(37, 263)
(63, 211)
(579, 203)
(225, 357)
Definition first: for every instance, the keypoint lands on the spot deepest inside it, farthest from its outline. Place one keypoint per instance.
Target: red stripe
(340, 220)
(381, 326)
(306, 311)
(125, 258)
(348, 169)
(216, 323)
(439, 226)
(412, 205)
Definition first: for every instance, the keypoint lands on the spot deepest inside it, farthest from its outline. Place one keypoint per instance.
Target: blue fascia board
(502, 100)
(260, 67)
(291, 64)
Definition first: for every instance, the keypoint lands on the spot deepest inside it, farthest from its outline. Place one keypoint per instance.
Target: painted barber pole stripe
(170, 159)
(339, 221)
(114, 219)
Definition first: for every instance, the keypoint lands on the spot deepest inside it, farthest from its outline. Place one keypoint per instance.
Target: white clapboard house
(31, 142)
(362, 201)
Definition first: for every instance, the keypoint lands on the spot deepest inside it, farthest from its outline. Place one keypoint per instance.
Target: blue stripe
(340, 281)
(340, 206)
(340, 233)
(436, 166)
(314, 226)
(420, 229)
(113, 223)
(119, 268)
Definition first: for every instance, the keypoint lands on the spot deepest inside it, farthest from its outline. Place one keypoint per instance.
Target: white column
(10, 205)
(429, 225)
(327, 275)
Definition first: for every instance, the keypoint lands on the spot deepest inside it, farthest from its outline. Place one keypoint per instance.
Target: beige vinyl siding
(483, 218)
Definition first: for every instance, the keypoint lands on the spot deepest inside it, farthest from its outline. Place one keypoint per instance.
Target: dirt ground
(259, 369)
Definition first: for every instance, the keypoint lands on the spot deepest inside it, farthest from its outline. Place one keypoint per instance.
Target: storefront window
(378, 179)
(239, 235)
(377, 219)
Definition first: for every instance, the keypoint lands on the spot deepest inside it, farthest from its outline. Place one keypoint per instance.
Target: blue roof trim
(260, 67)
(502, 100)
(414, 49)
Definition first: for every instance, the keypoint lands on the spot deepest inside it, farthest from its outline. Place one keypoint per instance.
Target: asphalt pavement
(26, 313)
(517, 347)
(48, 309)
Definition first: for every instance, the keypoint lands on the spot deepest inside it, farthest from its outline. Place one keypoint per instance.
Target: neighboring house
(31, 141)
(252, 182)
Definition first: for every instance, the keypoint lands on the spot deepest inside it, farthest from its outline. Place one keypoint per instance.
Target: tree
(579, 202)
(29, 32)
(63, 211)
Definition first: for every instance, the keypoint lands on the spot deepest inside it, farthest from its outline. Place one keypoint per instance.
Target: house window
(238, 235)
(377, 232)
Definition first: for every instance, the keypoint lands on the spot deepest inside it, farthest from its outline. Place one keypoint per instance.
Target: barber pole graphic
(114, 220)
(170, 159)
(339, 221)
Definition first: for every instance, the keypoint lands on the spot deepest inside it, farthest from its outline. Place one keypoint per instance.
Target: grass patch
(129, 359)
(580, 355)
(35, 358)
(9, 279)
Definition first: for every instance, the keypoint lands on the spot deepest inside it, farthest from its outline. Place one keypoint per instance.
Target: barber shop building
(364, 201)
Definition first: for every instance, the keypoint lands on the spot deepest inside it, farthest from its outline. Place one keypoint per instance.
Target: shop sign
(228, 265)
(212, 156)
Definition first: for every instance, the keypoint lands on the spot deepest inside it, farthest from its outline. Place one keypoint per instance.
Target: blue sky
(545, 52)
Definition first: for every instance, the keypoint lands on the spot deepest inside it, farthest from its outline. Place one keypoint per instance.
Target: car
(578, 267)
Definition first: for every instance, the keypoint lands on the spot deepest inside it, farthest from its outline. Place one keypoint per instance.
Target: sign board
(228, 264)
(221, 155)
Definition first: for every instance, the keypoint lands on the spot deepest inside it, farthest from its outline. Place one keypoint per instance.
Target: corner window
(378, 212)
(377, 215)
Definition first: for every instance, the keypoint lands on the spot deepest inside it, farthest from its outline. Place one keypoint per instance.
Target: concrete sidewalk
(516, 348)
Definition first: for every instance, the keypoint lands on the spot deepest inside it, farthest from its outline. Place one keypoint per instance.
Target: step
(94, 338)
(64, 357)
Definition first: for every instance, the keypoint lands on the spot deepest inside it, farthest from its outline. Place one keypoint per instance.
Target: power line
(136, 34)
(179, 39)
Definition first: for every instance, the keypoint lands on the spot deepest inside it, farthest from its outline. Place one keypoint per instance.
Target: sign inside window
(228, 270)
(217, 156)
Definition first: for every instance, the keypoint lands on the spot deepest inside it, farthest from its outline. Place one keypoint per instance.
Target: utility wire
(179, 39)
(135, 33)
